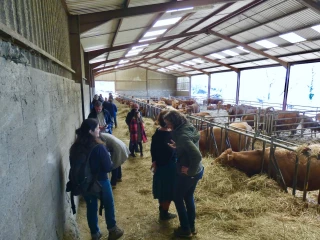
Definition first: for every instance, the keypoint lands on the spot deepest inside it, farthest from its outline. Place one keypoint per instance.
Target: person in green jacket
(189, 170)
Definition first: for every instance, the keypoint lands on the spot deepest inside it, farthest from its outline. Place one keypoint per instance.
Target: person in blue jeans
(100, 165)
(189, 170)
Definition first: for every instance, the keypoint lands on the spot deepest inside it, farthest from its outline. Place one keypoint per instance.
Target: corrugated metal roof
(266, 20)
(77, 7)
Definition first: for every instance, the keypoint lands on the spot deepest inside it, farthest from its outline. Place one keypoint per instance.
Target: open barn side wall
(140, 82)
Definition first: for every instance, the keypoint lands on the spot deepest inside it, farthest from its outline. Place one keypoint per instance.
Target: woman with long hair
(164, 168)
(100, 165)
(189, 169)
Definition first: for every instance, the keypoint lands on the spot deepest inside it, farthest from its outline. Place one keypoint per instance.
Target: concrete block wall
(39, 114)
(140, 82)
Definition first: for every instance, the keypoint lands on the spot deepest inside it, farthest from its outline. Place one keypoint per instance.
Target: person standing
(189, 169)
(112, 109)
(164, 168)
(130, 115)
(100, 165)
(137, 134)
(103, 117)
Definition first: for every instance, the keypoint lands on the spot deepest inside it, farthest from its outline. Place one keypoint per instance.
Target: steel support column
(75, 50)
(286, 88)
(238, 87)
(209, 85)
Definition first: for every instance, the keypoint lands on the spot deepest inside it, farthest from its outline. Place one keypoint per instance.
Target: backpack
(81, 180)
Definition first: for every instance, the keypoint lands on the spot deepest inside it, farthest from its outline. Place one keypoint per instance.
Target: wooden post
(75, 50)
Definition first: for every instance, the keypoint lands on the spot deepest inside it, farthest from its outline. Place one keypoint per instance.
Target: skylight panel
(166, 22)
(266, 44)
(154, 33)
(162, 70)
(180, 9)
(188, 63)
(147, 39)
(123, 61)
(140, 46)
(197, 60)
(292, 37)
(231, 53)
(243, 49)
(216, 55)
(317, 28)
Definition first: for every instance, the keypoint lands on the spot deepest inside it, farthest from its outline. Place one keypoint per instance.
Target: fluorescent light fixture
(197, 60)
(216, 55)
(147, 39)
(231, 53)
(123, 61)
(243, 49)
(317, 28)
(140, 46)
(266, 44)
(154, 33)
(292, 37)
(165, 22)
(180, 9)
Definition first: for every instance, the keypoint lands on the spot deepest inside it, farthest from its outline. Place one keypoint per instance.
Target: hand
(172, 144)
(153, 166)
(184, 170)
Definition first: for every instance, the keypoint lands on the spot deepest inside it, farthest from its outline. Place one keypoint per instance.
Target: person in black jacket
(103, 117)
(164, 168)
(112, 109)
(100, 164)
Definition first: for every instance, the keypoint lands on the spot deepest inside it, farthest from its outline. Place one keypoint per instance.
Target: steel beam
(94, 65)
(181, 73)
(313, 5)
(174, 62)
(92, 20)
(96, 53)
(207, 59)
(229, 39)
(286, 88)
(113, 70)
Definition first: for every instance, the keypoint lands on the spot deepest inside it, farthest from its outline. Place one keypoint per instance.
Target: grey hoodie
(187, 138)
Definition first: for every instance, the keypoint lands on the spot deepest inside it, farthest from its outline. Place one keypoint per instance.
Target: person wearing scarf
(137, 134)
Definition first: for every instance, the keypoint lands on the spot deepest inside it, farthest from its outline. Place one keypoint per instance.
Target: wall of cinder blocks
(40, 112)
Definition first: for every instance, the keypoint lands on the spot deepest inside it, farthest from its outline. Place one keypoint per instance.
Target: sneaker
(115, 233)
(113, 186)
(119, 180)
(164, 216)
(132, 155)
(179, 232)
(141, 154)
(96, 236)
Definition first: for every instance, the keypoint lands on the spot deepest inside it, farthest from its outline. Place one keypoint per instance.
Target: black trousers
(133, 147)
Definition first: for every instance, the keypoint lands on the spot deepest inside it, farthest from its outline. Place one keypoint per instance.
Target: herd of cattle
(232, 148)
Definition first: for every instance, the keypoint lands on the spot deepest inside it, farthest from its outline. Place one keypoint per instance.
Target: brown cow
(307, 122)
(214, 101)
(251, 161)
(283, 120)
(206, 143)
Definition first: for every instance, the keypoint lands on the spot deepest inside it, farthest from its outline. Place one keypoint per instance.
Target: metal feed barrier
(268, 126)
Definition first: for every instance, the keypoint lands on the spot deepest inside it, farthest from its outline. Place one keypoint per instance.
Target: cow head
(226, 158)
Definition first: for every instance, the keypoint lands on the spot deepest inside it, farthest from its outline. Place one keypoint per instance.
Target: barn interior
(53, 54)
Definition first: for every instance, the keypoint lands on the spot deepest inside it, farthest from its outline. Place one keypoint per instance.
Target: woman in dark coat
(189, 169)
(164, 168)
